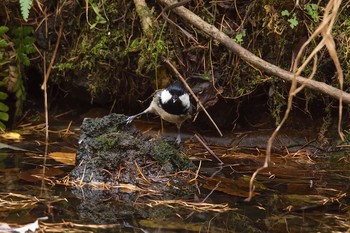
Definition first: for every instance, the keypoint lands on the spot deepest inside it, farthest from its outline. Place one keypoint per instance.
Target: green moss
(62, 67)
(97, 56)
(116, 54)
(106, 55)
(279, 103)
(104, 142)
(163, 153)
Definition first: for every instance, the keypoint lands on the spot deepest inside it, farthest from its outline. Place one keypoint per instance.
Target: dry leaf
(35, 175)
(63, 157)
(11, 136)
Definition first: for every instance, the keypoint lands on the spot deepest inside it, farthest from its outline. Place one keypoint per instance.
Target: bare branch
(145, 16)
(252, 59)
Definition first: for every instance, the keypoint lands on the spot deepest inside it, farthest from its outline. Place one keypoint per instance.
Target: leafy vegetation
(239, 37)
(99, 19)
(292, 18)
(312, 11)
(23, 41)
(106, 50)
(11, 59)
(4, 116)
(25, 7)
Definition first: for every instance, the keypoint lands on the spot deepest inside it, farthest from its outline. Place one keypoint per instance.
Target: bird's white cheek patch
(165, 96)
(185, 100)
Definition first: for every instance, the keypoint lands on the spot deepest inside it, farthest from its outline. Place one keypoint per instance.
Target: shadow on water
(302, 191)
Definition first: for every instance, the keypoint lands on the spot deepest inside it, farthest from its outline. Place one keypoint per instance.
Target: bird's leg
(178, 138)
(131, 118)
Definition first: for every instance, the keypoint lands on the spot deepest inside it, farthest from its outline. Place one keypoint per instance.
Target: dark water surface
(304, 189)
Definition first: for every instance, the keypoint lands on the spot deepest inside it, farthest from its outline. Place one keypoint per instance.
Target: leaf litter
(298, 175)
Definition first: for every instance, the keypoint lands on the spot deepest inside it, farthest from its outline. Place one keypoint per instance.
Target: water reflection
(300, 192)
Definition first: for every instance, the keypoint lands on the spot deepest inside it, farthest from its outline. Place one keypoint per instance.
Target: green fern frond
(3, 107)
(2, 125)
(23, 41)
(3, 95)
(25, 7)
(4, 116)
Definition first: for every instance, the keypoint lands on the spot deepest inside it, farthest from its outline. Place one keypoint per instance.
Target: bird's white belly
(176, 119)
(172, 118)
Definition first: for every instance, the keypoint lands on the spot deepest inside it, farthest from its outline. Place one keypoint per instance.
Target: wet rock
(111, 152)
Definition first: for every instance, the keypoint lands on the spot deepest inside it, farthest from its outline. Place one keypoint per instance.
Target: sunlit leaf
(239, 38)
(63, 157)
(285, 13)
(293, 22)
(25, 7)
(11, 136)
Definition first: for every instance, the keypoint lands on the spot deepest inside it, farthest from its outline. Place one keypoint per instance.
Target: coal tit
(172, 104)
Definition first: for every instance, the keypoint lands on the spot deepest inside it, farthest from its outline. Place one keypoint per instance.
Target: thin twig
(141, 173)
(197, 172)
(209, 194)
(325, 30)
(192, 93)
(44, 88)
(47, 74)
(253, 60)
(208, 149)
(170, 7)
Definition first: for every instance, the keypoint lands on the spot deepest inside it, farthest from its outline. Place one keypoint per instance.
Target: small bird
(172, 104)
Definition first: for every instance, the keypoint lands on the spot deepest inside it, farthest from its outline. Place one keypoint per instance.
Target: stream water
(303, 190)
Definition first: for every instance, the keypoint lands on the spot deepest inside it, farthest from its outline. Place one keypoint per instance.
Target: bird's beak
(175, 98)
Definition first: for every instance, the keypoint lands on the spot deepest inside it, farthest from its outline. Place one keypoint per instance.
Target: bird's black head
(175, 100)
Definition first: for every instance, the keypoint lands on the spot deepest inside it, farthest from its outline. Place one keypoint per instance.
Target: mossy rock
(107, 144)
